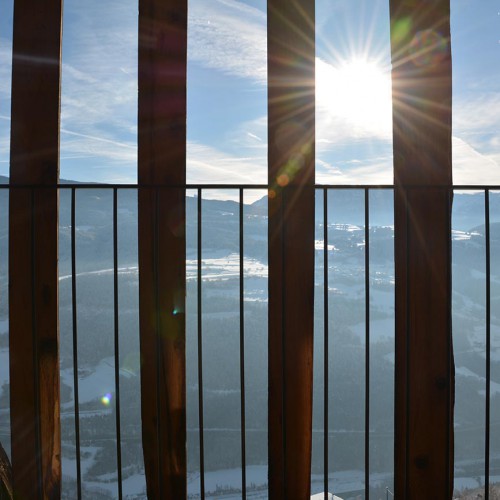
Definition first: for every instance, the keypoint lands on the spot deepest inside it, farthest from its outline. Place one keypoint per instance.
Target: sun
(356, 94)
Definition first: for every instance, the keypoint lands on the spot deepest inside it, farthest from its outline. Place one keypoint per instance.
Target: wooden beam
(162, 243)
(291, 115)
(33, 232)
(421, 59)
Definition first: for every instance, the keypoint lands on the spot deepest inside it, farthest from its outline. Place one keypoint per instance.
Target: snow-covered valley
(221, 394)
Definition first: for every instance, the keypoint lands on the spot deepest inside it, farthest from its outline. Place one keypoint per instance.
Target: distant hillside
(346, 206)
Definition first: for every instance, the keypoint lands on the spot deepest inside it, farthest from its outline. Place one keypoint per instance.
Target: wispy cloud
(368, 171)
(99, 103)
(229, 36)
(76, 145)
(99, 86)
(469, 167)
(207, 164)
(477, 112)
(5, 83)
(476, 130)
(99, 139)
(472, 167)
(250, 136)
(5, 66)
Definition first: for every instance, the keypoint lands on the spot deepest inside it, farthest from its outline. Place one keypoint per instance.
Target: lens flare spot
(401, 29)
(428, 48)
(106, 399)
(282, 180)
(272, 194)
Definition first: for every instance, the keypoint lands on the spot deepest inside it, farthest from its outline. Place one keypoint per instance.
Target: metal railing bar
(482, 187)
(242, 351)
(195, 186)
(200, 349)
(76, 185)
(488, 346)
(367, 344)
(325, 340)
(261, 187)
(353, 186)
(208, 187)
(75, 345)
(116, 344)
(450, 462)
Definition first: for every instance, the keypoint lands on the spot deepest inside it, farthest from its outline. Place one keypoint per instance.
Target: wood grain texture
(421, 58)
(33, 240)
(291, 53)
(162, 244)
(6, 492)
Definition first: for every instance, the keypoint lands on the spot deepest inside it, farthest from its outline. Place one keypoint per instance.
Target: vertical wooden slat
(421, 58)
(33, 226)
(162, 255)
(291, 53)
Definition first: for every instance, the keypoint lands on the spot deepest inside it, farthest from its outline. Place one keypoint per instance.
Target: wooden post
(162, 243)
(33, 231)
(291, 70)
(421, 60)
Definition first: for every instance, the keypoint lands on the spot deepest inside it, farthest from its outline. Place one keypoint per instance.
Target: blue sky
(227, 91)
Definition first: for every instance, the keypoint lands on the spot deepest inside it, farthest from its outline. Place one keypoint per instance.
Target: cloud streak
(228, 36)
(99, 103)
(5, 82)
(206, 164)
(99, 88)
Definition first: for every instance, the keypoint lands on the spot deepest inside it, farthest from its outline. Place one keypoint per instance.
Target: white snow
(101, 272)
(319, 245)
(228, 266)
(465, 372)
(99, 382)
(345, 227)
(462, 483)
(321, 496)
(460, 235)
(256, 476)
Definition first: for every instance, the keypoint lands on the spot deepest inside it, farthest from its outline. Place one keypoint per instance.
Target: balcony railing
(227, 339)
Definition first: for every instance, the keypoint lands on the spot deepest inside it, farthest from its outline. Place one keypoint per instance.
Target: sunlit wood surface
(291, 53)
(33, 230)
(162, 243)
(421, 59)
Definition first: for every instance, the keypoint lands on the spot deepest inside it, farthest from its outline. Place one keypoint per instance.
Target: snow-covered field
(227, 266)
(134, 485)
(98, 382)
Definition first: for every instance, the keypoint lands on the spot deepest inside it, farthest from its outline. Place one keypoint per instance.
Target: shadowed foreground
(5, 476)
